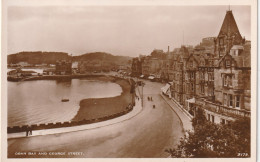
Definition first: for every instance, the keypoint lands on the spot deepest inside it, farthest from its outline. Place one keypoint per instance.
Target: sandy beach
(94, 108)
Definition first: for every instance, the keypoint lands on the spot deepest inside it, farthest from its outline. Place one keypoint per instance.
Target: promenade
(137, 109)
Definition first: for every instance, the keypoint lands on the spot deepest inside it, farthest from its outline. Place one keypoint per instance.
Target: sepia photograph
(128, 81)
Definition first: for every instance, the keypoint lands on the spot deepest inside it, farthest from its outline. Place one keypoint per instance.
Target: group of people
(28, 131)
(150, 99)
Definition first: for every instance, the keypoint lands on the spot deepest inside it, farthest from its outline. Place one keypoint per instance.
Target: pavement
(145, 135)
(182, 114)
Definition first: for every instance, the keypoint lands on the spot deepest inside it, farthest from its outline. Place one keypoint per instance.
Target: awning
(151, 77)
(165, 88)
(192, 100)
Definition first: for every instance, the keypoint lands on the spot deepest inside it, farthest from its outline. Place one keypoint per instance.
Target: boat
(64, 100)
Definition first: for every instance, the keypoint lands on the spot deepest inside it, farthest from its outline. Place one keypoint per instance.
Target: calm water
(34, 102)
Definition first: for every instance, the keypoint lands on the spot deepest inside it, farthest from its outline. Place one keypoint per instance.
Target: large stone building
(214, 75)
(232, 91)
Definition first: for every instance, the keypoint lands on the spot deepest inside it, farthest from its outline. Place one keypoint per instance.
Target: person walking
(151, 99)
(27, 131)
(30, 130)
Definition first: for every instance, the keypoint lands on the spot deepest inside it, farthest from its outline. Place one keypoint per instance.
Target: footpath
(136, 110)
(184, 116)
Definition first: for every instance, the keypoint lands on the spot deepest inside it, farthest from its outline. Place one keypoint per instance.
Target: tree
(214, 140)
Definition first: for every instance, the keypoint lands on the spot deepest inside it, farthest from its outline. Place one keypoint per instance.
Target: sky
(119, 30)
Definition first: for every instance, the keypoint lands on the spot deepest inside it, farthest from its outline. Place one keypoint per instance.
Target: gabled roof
(224, 58)
(196, 58)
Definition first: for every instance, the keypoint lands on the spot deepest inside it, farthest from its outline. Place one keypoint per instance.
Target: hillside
(101, 56)
(51, 57)
(37, 57)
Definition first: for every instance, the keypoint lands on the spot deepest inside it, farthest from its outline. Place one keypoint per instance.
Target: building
(151, 66)
(136, 67)
(228, 36)
(232, 69)
(191, 81)
(63, 67)
(214, 75)
(49, 71)
(179, 61)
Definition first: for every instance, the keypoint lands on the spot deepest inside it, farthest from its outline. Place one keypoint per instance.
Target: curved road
(146, 135)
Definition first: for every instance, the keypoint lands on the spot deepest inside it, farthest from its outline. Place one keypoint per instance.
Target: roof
(229, 27)
(242, 60)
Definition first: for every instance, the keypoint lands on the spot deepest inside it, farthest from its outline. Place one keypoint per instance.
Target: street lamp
(142, 93)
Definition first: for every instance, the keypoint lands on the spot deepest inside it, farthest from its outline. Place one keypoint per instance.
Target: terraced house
(232, 91)
(214, 75)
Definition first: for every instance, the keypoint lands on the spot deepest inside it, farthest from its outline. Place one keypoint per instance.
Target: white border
(3, 81)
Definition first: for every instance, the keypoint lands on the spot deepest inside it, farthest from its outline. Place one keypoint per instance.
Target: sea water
(37, 102)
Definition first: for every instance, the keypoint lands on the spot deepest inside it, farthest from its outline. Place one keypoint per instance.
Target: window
(191, 64)
(211, 76)
(225, 81)
(225, 99)
(229, 81)
(230, 100)
(227, 63)
(211, 91)
(192, 75)
(213, 118)
(237, 101)
(223, 121)
(202, 89)
(192, 87)
(202, 76)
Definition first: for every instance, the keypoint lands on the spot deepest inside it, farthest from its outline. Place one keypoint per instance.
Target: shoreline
(92, 108)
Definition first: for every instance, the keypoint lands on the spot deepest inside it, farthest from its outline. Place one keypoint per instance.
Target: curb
(173, 108)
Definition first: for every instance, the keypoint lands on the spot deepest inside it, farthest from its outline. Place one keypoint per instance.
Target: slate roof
(229, 28)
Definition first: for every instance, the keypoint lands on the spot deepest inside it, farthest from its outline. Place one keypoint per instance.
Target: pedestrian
(27, 131)
(151, 99)
(153, 106)
(148, 98)
(30, 130)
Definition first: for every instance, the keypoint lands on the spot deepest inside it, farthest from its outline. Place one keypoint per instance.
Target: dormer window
(227, 63)
(191, 64)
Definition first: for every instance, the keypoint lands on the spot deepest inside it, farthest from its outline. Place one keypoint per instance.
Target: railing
(214, 107)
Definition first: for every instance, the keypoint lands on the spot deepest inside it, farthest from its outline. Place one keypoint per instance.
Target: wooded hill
(39, 57)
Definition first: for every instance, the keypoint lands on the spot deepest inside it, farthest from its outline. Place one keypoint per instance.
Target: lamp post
(142, 94)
